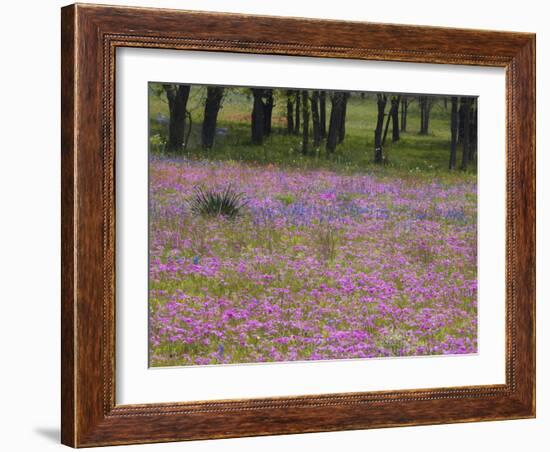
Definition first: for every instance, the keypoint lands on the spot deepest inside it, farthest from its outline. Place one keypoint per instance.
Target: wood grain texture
(68, 330)
(90, 36)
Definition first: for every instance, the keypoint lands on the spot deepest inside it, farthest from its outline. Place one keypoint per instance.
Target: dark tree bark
(465, 105)
(258, 120)
(395, 100)
(342, 128)
(335, 122)
(473, 131)
(268, 111)
(460, 138)
(454, 132)
(386, 128)
(305, 127)
(323, 114)
(404, 108)
(425, 105)
(177, 96)
(422, 107)
(189, 129)
(289, 112)
(297, 118)
(214, 95)
(381, 104)
(427, 111)
(315, 119)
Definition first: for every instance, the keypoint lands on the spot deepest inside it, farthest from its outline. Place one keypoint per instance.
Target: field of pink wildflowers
(319, 265)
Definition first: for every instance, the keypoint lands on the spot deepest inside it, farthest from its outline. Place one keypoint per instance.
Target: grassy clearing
(422, 155)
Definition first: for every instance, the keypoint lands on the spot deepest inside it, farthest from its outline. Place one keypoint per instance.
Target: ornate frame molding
(90, 36)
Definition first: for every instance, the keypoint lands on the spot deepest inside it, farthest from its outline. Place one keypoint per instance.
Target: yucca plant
(227, 203)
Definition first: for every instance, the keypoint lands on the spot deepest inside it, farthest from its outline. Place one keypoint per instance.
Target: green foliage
(157, 143)
(286, 199)
(226, 203)
(415, 155)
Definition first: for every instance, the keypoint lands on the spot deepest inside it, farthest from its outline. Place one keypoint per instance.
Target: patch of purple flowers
(320, 265)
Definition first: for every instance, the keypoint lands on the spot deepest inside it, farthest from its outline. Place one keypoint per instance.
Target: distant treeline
(319, 118)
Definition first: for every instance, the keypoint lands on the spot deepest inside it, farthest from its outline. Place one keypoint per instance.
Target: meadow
(328, 258)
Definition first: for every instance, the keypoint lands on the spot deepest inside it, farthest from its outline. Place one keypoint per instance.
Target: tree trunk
(425, 105)
(404, 108)
(454, 132)
(214, 97)
(465, 107)
(342, 128)
(323, 114)
(473, 131)
(268, 111)
(427, 110)
(177, 96)
(395, 118)
(335, 122)
(189, 130)
(386, 128)
(315, 119)
(460, 138)
(297, 118)
(289, 113)
(381, 104)
(422, 107)
(305, 128)
(258, 121)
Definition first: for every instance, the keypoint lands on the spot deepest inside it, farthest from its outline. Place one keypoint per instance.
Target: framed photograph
(281, 225)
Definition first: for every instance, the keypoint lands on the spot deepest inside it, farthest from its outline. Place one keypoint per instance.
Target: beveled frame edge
(90, 36)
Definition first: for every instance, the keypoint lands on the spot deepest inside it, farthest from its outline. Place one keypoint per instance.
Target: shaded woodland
(316, 123)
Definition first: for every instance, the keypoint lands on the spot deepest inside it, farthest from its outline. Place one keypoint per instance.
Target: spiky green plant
(227, 202)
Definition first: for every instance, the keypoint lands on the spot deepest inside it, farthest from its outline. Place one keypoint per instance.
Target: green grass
(423, 156)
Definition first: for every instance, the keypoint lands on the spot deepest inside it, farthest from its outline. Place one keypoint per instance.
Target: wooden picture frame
(90, 36)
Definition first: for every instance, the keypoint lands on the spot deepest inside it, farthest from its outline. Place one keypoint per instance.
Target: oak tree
(214, 96)
(177, 96)
(381, 100)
